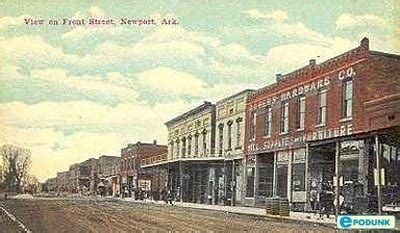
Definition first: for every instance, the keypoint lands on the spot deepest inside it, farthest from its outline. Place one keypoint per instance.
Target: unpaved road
(116, 216)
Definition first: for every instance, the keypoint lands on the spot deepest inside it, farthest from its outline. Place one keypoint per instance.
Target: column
(378, 171)
(274, 181)
(289, 184)
(307, 178)
(233, 184)
(180, 182)
(255, 178)
(337, 174)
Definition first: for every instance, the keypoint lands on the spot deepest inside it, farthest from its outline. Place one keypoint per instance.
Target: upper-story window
(238, 132)
(196, 144)
(284, 123)
(221, 138)
(183, 147)
(253, 125)
(230, 135)
(189, 147)
(301, 112)
(347, 104)
(268, 121)
(321, 108)
(204, 142)
(177, 148)
(172, 149)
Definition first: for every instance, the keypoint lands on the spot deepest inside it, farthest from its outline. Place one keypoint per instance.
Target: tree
(31, 185)
(16, 164)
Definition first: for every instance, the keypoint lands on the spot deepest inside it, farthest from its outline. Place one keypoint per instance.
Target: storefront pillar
(337, 180)
(274, 176)
(307, 178)
(233, 184)
(289, 183)
(256, 177)
(180, 182)
(378, 173)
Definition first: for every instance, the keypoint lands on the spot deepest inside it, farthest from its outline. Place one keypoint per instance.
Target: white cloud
(347, 21)
(297, 55)
(277, 16)
(93, 129)
(111, 85)
(166, 81)
(8, 21)
(33, 50)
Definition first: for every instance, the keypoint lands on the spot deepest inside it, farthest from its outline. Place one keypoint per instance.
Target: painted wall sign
(287, 142)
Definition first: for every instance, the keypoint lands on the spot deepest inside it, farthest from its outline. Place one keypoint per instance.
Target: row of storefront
(324, 134)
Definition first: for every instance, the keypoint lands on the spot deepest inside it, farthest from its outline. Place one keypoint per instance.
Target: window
(268, 117)
(183, 147)
(204, 143)
(196, 144)
(177, 148)
(172, 149)
(298, 176)
(229, 135)
(189, 150)
(238, 132)
(347, 98)
(301, 112)
(284, 117)
(253, 125)
(221, 139)
(250, 182)
(322, 108)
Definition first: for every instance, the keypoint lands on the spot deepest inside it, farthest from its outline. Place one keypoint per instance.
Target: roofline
(378, 53)
(234, 95)
(199, 108)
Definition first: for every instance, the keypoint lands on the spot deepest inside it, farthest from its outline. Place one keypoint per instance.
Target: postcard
(199, 116)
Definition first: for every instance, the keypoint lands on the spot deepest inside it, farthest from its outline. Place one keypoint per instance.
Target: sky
(68, 93)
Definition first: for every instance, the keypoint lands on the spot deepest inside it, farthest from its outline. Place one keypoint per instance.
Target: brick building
(133, 179)
(107, 173)
(339, 118)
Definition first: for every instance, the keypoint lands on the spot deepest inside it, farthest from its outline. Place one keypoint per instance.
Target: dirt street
(116, 216)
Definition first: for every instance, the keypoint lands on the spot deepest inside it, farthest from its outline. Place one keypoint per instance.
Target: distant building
(131, 174)
(107, 172)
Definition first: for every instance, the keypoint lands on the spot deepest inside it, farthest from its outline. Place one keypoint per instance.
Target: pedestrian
(313, 199)
(170, 197)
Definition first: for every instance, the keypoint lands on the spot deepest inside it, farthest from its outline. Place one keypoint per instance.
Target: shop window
(250, 182)
(347, 105)
(265, 182)
(301, 112)
(282, 181)
(298, 176)
(268, 118)
(284, 121)
(322, 108)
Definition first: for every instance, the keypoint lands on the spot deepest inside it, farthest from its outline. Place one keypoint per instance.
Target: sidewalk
(294, 216)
